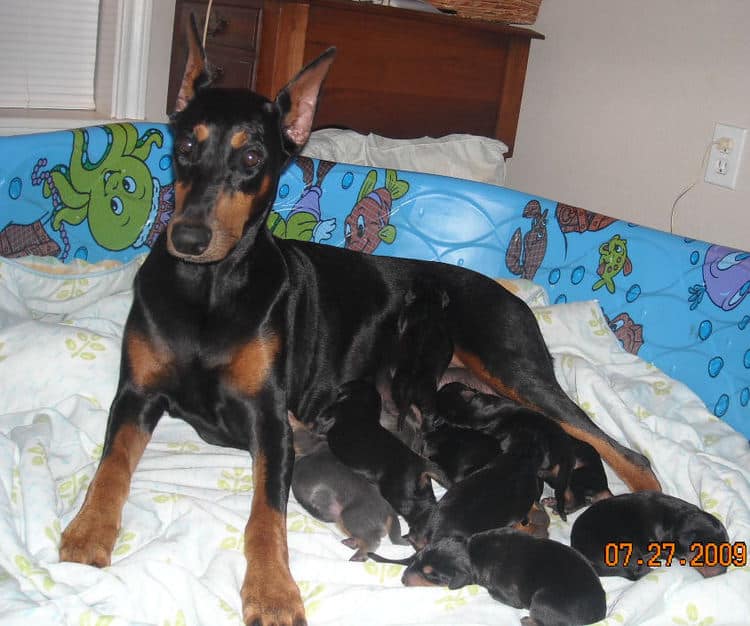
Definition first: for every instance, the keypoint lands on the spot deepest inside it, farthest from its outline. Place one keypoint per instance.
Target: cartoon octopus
(117, 193)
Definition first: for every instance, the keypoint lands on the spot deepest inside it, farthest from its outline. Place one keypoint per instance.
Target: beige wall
(619, 106)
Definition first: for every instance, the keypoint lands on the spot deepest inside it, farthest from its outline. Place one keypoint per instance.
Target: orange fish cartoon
(369, 221)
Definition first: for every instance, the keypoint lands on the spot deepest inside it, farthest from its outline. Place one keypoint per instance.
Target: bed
(650, 335)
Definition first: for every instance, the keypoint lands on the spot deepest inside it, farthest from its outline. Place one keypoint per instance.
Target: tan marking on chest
(252, 362)
(149, 364)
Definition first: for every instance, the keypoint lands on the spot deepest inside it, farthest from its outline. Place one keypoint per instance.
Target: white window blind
(48, 53)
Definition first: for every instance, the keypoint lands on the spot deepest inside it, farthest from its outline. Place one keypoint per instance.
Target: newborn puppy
(632, 521)
(553, 581)
(459, 451)
(503, 493)
(588, 481)
(463, 406)
(357, 439)
(424, 352)
(331, 492)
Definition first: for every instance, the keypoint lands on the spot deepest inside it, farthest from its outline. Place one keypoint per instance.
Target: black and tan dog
(230, 328)
(628, 534)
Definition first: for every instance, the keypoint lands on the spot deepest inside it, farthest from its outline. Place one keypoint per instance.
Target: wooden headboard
(398, 73)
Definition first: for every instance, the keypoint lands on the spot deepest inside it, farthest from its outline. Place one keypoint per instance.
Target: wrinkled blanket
(178, 559)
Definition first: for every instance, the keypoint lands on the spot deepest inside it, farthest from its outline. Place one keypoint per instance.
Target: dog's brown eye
(251, 158)
(184, 146)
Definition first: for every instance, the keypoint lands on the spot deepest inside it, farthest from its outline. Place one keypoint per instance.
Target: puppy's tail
(381, 559)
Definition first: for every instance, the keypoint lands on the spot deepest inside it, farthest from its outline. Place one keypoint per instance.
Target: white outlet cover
(722, 169)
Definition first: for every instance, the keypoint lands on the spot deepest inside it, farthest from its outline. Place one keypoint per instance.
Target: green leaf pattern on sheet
(597, 324)
(543, 316)
(69, 489)
(2, 347)
(38, 455)
(238, 480)
(89, 619)
(31, 572)
(383, 571)
(54, 532)
(310, 596)
(179, 620)
(661, 388)
(15, 490)
(122, 545)
(84, 346)
(458, 598)
(234, 541)
(692, 617)
(232, 615)
(72, 288)
(164, 498)
(183, 446)
(301, 523)
(709, 504)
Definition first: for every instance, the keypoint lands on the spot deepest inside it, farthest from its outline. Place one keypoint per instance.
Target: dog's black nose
(190, 239)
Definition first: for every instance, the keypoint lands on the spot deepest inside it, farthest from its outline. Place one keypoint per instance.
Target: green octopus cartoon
(117, 193)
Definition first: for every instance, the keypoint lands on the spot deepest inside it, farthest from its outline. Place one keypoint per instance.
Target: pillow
(461, 156)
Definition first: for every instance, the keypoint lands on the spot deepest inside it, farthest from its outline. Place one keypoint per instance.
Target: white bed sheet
(178, 559)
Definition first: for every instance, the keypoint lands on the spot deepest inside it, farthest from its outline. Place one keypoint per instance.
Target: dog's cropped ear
(196, 74)
(298, 101)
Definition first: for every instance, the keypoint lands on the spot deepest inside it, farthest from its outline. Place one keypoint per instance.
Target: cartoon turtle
(368, 223)
(117, 193)
(613, 259)
(524, 256)
(304, 221)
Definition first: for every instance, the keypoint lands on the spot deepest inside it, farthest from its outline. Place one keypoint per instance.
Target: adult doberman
(230, 328)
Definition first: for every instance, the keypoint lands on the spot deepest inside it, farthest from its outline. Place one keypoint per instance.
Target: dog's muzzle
(189, 239)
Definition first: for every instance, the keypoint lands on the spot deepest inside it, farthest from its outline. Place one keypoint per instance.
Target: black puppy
(458, 451)
(357, 439)
(588, 481)
(553, 581)
(331, 492)
(424, 352)
(621, 534)
(515, 426)
(503, 493)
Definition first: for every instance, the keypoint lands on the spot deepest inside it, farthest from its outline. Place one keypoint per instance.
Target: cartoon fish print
(116, 194)
(576, 220)
(305, 221)
(613, 259)
(524, 256)
(369, 221)
(726, 277)
(627, 332)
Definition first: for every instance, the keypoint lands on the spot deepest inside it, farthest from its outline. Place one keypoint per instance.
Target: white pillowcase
(461, 156)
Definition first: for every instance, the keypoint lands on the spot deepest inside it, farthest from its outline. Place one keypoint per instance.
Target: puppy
(588, 481)
(331, 492)
(458, 451)
(553, 581)
(633, 521)
(424, 351)
(357, 439)
(503, 493)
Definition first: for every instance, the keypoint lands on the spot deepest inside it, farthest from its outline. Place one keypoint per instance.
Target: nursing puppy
(633, 521)
(331, 492)
(459, 451)
(356, 438)
(424, 351)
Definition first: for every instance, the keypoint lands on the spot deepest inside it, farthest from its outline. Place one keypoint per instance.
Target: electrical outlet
(726, 156)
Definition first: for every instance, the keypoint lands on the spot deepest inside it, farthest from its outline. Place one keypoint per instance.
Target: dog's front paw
(88, 540)
(267, 603)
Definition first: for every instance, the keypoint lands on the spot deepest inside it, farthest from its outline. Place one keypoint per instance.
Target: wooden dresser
(398, 73)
